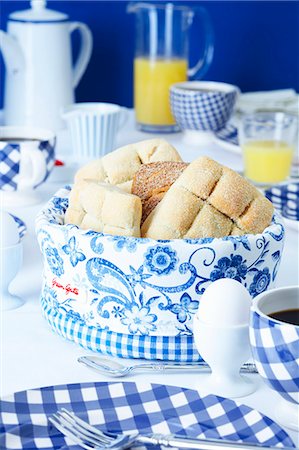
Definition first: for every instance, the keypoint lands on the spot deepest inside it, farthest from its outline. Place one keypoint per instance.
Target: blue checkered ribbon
(129, 407)
(285, 199)
(173, 348)
(9, 167)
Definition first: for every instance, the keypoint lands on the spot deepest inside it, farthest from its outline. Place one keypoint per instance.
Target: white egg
(9, 232)
(226, 302)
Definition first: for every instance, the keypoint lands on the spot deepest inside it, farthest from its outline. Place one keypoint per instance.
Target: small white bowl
(93, 128)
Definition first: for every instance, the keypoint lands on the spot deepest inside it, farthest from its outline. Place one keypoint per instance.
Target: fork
(90, 438)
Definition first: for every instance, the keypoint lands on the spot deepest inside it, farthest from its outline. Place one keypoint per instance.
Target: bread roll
(208, 200)
(103, 207)
(152, 180)
(119, 167)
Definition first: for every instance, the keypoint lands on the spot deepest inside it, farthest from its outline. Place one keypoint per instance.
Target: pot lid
(38, 13)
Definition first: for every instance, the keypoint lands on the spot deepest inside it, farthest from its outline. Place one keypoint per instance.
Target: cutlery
(89, 437)
(116, 369)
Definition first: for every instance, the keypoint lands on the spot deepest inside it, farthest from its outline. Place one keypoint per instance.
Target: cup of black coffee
(274, 337)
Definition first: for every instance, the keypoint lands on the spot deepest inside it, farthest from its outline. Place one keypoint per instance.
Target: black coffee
(287, 315)
(18, 140)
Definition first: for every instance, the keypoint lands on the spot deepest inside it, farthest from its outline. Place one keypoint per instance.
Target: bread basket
(134, 297)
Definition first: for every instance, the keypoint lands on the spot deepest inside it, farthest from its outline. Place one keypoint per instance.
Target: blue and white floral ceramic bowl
(202, 105)
(135, 297)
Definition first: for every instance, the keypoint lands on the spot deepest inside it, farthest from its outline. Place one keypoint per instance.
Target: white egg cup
(11, 262)
(225, 349)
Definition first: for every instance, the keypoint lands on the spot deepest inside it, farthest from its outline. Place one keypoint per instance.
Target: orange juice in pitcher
(152, 80)
(161, 59)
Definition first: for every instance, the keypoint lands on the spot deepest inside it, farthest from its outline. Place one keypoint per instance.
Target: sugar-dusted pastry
(208, 200)
(103, 207)
(152, 180)
(119, 167)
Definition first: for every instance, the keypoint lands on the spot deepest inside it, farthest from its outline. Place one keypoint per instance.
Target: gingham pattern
(195, 110)
(127, 407)
(228, 134)
(173, 348)
(285, 199)
(48, 150)
(9, 167)
(275, 350)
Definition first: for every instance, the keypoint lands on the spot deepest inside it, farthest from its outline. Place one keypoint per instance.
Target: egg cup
(221, 336)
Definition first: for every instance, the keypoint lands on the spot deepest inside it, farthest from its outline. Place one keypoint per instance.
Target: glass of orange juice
(268, 142)
(161, 59)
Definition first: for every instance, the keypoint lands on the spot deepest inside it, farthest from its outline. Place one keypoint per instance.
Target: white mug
(93, 128)
(27, 157)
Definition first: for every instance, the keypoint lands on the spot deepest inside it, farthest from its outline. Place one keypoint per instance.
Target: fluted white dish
(93, 128)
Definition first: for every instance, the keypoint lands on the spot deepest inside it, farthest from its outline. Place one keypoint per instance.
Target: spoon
(115, 369)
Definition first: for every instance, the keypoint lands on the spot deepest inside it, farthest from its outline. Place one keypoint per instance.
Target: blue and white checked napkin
(128, 406)
(285, 199)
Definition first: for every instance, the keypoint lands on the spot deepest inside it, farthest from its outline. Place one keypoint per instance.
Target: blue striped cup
(93, 128)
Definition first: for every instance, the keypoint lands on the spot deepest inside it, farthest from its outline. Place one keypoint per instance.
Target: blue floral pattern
(121, 242)
(233, 267)
(54, 260)
(73, 251)
(139, 320)
(141, 286)
(238, 240)
(160, 260)
(260, 283)
(185, 308)
(137, 276)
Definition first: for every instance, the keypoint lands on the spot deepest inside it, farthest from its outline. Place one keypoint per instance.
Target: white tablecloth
(33, 356)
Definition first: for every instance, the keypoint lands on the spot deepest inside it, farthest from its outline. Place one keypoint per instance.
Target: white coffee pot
(40, 77)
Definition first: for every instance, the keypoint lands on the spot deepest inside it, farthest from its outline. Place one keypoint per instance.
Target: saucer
(227, 138)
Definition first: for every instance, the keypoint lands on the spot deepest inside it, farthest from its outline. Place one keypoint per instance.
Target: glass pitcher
(161, 59)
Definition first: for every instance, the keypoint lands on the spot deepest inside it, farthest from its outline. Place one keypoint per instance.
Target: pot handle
(85, 50)
(204, 63)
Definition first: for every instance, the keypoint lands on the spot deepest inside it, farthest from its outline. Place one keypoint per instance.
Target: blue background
(256, 45)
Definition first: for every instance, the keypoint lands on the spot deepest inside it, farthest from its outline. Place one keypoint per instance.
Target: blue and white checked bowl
(93, 128)
(36, 155)
(202, 105)
(275, 345)
(136, 297)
